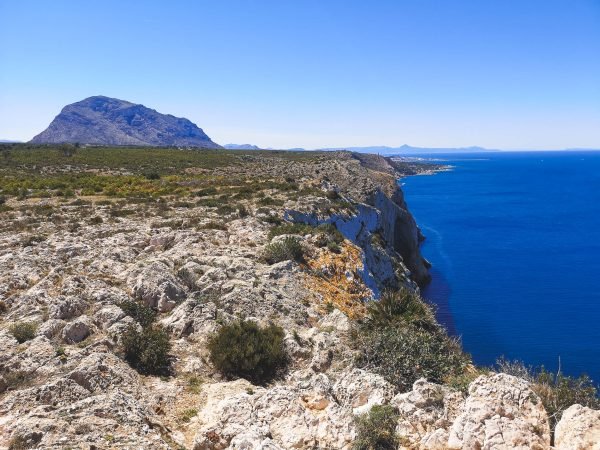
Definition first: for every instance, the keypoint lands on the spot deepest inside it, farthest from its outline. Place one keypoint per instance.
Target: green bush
(404, 353)
(288, 248)
(376, 430)
(147, 351)
(557, 391)
(245, 350)
(291, 228)
(152, 175)
(402, 306)
(23, 331)
(143, 314)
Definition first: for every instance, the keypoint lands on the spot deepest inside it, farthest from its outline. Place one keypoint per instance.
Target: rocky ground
(67, 264)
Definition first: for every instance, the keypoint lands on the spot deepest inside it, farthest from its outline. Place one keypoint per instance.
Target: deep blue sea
(514, 239)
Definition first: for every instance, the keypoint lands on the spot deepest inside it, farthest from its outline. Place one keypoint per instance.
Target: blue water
(514, 239)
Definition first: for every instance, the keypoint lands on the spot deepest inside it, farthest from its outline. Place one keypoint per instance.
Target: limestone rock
(361, 390)
(501, 412)
(426, 414)
(77, 330)
(51, 328)
(578, 429)
(67, 307)
(302, 414)
(157, 287)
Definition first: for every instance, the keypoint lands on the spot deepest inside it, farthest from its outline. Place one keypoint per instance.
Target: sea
(514, 243)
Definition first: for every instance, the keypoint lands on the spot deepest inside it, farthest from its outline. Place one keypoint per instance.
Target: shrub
(152, 175)
(334, 247)
(272, 219)
(404, 353)
(557, 391)
(16, 379)
(242, 211)
(376, 430)
(332, 195)
(143, 314)
(23, 331)
(245, 350)
(288, 248)
(402, 306)
(206, 192)
(291, 228)
(147, 351)
(213, 225)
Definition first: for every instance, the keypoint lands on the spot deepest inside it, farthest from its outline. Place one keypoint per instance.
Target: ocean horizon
(513, 239)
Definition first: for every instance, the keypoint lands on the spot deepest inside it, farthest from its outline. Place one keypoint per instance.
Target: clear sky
(501, 74)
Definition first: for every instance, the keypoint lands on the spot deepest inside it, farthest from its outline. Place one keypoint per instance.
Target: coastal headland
(130, 277)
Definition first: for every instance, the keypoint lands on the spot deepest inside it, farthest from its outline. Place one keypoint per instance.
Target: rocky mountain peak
(110, 121)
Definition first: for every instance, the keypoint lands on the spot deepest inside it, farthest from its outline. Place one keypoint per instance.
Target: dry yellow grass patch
(335, 279)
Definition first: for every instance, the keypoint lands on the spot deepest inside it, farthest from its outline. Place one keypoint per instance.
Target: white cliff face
(388, 236)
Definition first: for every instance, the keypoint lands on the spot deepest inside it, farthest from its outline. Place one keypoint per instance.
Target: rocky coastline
(195, 256)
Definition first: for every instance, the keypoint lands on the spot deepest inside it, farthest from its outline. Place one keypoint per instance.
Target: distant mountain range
(241, 147)
(8, 141)
(409, 150)
(109, 121)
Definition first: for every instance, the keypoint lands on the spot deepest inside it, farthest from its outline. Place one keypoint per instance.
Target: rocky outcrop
(578, 429)
(501, 411)
(385, 231)
(309, 412)
(109, 121)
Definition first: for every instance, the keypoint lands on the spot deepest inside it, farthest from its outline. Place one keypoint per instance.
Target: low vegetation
(141, 313)
(243, 349)
(401, 341)
(147, 350)
(23, 331)
(287, 249)
(376, 430)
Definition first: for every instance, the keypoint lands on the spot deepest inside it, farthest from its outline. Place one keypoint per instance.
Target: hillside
(107, 121)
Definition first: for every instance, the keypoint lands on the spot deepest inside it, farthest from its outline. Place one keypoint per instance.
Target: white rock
(157, 287)
(501, 412)
(578, 429)
(426, 413)
(361, 390)
(77, 330)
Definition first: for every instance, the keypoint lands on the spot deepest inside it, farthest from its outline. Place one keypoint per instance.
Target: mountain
(109, 121)
(241, 147)
(407, 149)
(8, 141)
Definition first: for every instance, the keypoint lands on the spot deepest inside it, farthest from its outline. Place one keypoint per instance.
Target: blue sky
(501, 74)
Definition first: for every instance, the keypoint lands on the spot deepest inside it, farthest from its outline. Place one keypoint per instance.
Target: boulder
(501, 412)
(157, 287)
(67, 307)
(360, 390)
(426, 414)
(51, 328)
(578, 429)
(108, 315)
(77, 330)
